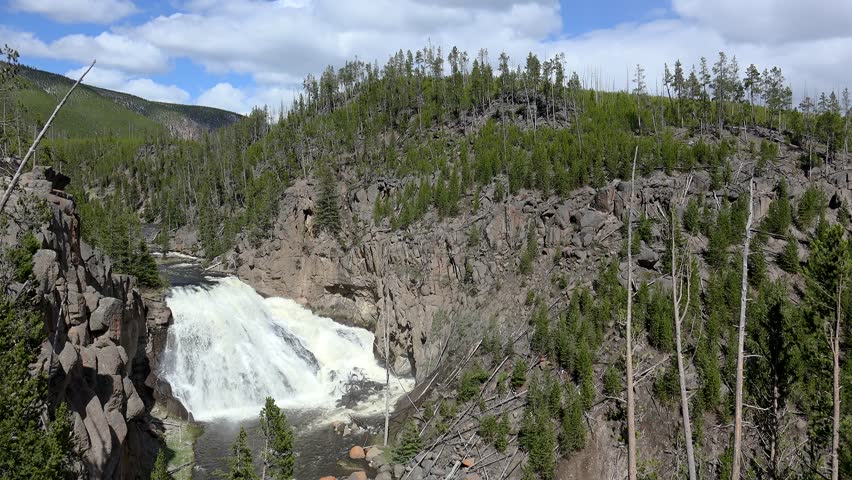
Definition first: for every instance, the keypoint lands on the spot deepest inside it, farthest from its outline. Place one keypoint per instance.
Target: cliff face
(451, 282)
(98, 328)
(445, 278)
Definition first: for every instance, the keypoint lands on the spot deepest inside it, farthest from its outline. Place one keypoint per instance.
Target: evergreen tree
(240, 463)
(789, 258)
(519, 374)
(278, 457)
(31, 448)
(409, 445)
(827, 275)
(328, 210)
(573, 436)
(692, 216)
(161, 471)
(780, 213)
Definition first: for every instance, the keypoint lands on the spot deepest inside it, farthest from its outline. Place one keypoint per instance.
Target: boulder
(563, 216)
(647, 258)
(384, 476)
(604, 200)
(69, 358)
(45, 269)
(591, 220)
(109, 361)
(135, 406)
(328, 478)
(359, 475)
(357, 453)
(109, 310)
(92, 298)
(398, 471)
(373, 453)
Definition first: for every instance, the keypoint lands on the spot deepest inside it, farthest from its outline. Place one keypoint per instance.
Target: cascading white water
(230, 348)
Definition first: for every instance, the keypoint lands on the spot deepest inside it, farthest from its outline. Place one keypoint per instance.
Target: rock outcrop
(450, 282)
(440, 279)
(98, 325)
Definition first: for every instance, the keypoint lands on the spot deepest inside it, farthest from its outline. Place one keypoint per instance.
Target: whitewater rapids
(229, 349)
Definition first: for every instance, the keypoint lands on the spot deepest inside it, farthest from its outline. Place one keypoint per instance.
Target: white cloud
(771, 21)
(141, 87)
(276, 43)
(227, 97)
(151, 90)
(224, 96)
(110, 49)
(78, 11)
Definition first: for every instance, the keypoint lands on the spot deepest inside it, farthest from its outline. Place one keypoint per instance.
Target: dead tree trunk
(738, 407)
(387, 380)
(33, 147)
(677, 295)
(835, 424)
(631, 422)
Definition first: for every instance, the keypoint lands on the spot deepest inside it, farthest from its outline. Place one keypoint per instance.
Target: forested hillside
(96, 111)
(438, 142)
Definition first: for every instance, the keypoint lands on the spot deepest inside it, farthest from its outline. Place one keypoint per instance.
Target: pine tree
(692, 216)
(573, 436)
(160, 471)
(240, 463)
(30, 448)
(826, 275)
(519, 374)
(328, 210)
(409, 445)
(278, 458)
(789, 258)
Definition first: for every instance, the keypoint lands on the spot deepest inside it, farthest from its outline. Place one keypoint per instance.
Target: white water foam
(229, 348)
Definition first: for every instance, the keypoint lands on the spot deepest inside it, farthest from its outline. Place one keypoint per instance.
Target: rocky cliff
(452, 281)
(465, 268)
(99, 328)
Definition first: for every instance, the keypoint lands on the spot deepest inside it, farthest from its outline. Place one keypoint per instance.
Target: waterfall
(229, 348)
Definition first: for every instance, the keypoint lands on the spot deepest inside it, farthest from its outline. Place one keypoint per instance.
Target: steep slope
(97, 326)
(443, 286)
(93, 110)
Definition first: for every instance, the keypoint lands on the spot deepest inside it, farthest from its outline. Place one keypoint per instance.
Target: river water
(229, 348)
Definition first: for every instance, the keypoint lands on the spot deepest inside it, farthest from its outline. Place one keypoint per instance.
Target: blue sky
(235, 54)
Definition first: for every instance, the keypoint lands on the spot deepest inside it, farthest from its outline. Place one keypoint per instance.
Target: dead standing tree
(34, 146)
(631, 421)
(679, 315)
(738, 407)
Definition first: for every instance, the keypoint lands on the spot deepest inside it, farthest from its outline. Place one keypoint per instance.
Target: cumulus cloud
(141, 87)
(111, 50)
(224, 96)
(771, 21)
(276, 43)
(242, 100)
(77, 11)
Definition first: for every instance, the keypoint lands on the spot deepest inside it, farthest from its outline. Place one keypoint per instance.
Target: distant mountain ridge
(93, 110)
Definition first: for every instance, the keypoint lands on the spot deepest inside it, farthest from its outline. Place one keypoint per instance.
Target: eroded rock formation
(98, 328)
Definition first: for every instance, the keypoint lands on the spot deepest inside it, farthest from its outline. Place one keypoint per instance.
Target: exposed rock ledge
(100, 328)
(433, 284)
